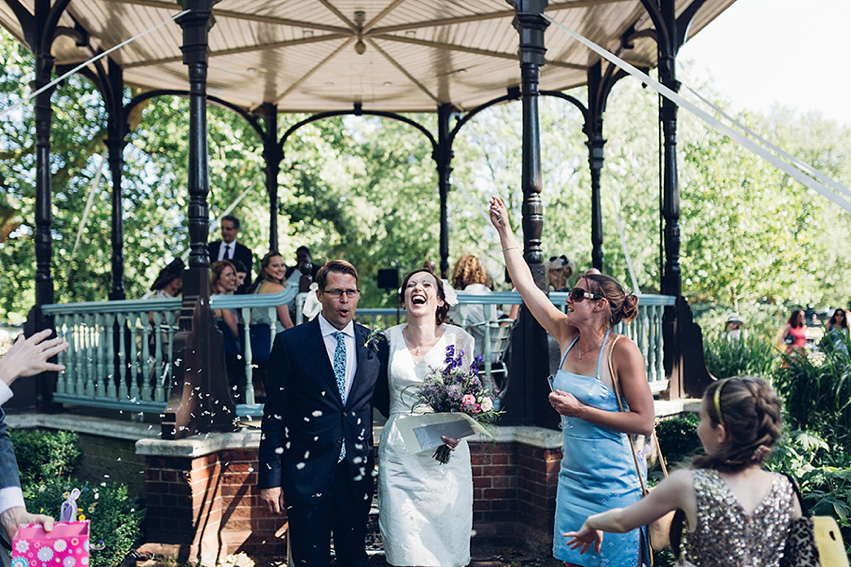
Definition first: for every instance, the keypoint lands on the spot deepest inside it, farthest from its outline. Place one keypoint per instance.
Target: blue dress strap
(570, 346)
(602, 350)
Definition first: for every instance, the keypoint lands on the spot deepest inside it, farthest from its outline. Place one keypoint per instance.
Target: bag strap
(797, 489)
(653, 438)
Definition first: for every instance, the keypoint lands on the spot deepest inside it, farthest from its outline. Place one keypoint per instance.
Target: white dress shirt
(231, 251)
(328, 331)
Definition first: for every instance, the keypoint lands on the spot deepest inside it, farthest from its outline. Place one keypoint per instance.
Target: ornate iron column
(594, 132)
(116, 131)
(200, 399)
(273, 155)
(684, 363)
(44, 292)
(599, 87)
(528, 405)
(672, 276)
(443, 158)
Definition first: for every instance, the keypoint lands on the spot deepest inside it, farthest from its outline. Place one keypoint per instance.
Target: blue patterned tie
(340, 375)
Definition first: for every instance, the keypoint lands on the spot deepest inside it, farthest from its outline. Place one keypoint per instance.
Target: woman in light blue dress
(597, 470)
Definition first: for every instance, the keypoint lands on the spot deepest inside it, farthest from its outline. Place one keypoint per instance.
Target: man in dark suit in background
(229, 249)
(316, 451)
(27, 357)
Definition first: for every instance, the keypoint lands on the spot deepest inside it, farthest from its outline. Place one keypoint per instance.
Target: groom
(316, 451)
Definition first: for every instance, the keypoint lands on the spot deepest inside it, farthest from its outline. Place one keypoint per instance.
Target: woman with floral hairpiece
(425, 508)
(597, 470)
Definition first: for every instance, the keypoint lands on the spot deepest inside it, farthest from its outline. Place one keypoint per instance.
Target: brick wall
(203, 508)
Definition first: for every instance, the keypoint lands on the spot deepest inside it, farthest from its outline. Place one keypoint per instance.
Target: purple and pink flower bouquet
(457, 389)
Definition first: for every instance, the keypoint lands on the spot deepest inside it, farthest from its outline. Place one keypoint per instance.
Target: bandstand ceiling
(303, 55)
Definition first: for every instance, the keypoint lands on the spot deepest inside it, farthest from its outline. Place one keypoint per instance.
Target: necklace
(411, 344)
(589, 349)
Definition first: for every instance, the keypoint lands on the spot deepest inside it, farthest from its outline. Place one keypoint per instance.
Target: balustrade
(120, 351)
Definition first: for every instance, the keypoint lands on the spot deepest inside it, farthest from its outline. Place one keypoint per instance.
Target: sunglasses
(578, 295)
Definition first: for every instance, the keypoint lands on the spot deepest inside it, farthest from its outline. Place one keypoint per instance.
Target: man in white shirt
(229, 249)
(27, 357)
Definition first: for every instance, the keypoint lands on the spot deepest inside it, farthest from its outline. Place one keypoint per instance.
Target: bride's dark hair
(442, 313)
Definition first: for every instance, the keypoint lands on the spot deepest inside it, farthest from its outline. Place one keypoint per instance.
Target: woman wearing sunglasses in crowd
(597, 470)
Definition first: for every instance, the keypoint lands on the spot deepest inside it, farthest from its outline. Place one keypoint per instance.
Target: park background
(753, 240)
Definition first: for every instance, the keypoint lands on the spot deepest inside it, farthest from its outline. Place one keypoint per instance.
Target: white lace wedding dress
(425, 509)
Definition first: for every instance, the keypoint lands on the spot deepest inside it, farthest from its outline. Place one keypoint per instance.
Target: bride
(425, 509)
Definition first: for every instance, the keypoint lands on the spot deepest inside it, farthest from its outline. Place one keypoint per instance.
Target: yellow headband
(717, 399)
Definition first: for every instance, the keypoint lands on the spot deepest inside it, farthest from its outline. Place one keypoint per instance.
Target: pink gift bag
(66, 546)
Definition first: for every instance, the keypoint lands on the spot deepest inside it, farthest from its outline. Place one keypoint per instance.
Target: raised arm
(536, 300)
(675, 492)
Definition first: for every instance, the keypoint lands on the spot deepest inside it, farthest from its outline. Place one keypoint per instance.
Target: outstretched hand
(499, 214)
(29, 356)
(584, 538)
(12, 518)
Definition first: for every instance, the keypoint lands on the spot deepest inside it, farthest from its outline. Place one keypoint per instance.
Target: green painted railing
(120, 353)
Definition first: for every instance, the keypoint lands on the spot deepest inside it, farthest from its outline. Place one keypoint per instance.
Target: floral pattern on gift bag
(66, 546)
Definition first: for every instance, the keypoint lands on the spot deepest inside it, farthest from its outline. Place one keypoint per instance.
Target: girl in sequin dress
(736, 513)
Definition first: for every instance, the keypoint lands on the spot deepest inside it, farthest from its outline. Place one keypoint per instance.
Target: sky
(789, 52)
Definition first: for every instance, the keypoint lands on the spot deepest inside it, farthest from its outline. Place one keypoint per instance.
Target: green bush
(115, 519)
(45, 454)
(816, 390)
(678, 438)
(749, 356)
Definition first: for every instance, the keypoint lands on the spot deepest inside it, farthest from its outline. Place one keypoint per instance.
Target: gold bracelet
(509, 248)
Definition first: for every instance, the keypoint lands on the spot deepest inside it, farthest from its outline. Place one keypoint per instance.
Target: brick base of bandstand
(203, 503)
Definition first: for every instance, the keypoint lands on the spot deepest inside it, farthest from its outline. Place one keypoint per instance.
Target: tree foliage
(365, 189)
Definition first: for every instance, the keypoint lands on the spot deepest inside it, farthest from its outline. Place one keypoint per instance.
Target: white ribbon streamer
(706, 117)
(797, 162)
(88, 207)
(635, 288)
(89, 62)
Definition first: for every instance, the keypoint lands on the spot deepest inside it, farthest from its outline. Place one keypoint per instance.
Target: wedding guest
(241, 274)
(229, 249)
(794, 335)
(559, 270)
(224, 283)
(169, 281)
(736, 513)
(469, 275)
(837, 330)
(270, 280)
(597, 470)
(734, 329)
(837, 322)
(425, 508)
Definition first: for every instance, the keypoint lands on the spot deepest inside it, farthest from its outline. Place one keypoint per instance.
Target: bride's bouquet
(456, 389)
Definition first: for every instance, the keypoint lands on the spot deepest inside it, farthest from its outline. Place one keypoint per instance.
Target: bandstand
(261, 58)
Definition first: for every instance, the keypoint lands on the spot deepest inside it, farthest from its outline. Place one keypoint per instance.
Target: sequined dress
(597, 472)
(726, 535)
(425, 509)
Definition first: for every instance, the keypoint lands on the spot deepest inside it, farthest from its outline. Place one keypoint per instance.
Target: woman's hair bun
(629, 311)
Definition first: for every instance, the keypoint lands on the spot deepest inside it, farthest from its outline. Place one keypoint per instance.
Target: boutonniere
(374, 337)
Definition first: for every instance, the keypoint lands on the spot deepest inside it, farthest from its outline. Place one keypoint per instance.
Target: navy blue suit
(304, 424)
(242, 253)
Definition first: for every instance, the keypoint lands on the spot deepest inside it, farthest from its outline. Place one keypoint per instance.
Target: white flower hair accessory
(449, 295)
